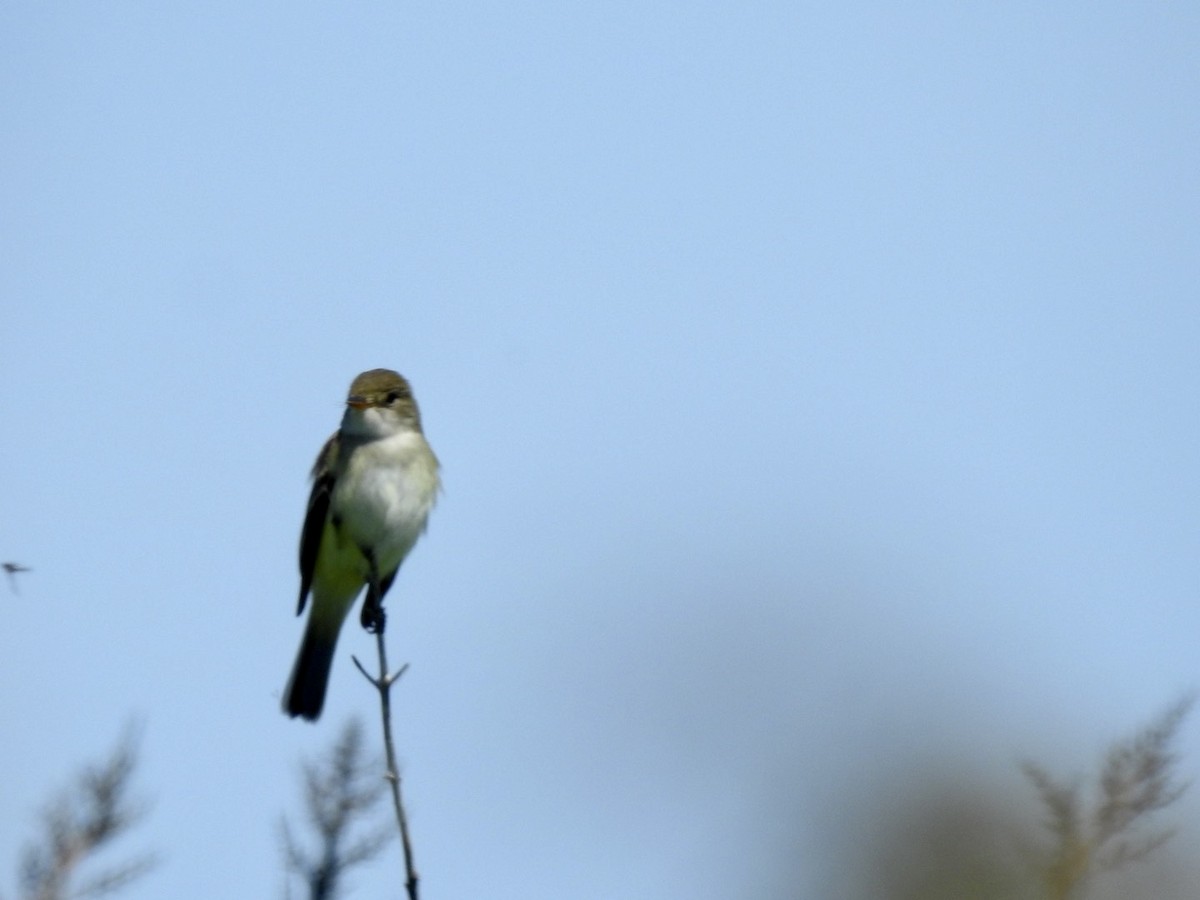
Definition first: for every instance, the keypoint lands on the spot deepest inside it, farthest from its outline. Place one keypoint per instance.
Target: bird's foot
(373, 617)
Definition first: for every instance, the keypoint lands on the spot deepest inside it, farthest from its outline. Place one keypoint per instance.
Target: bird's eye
(393, 396)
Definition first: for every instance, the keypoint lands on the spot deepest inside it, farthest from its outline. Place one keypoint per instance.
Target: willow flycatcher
(374, 483)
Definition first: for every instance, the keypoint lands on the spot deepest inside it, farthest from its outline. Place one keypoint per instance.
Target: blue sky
(815, 387)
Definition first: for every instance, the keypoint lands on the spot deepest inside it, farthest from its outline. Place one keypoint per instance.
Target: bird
(374, 484)
(11, 569)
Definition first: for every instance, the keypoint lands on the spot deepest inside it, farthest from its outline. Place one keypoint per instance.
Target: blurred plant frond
(1138, 778)
(951, 831)
(340, 793)
(82, 821)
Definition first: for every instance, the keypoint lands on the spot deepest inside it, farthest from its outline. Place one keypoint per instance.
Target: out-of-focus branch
(338, 793)
(79, 823)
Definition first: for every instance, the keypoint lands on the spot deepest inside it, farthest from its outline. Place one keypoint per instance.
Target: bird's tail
(305, 692)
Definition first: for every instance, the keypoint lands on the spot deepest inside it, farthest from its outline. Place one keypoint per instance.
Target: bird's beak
(357, 401)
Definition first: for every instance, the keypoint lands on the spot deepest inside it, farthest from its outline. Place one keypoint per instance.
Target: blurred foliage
(1137, 780)
(80, 823)
(1097, 838)
(340, 795)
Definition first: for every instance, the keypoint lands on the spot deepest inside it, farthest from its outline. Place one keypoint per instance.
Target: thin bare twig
(383, 683)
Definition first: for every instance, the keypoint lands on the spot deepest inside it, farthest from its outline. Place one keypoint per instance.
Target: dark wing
(323, 476)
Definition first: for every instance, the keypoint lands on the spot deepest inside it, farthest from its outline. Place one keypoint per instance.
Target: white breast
(384, 494)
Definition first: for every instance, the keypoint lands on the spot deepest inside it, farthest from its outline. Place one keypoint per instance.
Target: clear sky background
(815, 387)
